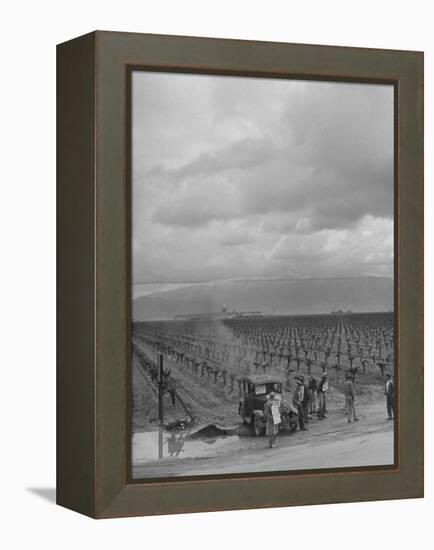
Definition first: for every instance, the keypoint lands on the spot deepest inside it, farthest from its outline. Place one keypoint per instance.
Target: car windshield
(263, 389)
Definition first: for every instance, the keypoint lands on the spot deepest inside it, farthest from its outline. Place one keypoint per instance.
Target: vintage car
(251, 408)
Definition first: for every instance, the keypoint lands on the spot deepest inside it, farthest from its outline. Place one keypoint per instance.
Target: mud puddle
(162, 444)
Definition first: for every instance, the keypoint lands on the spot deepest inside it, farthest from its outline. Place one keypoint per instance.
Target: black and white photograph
(262, 275)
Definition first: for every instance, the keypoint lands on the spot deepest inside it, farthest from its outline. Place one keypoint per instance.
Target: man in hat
(305, 401)
(298, 400)
(389, 392)
(272, 416)
(323, 387)
(312, 387)
(348, 389)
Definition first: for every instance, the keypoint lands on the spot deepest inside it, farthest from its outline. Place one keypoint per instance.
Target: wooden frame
(93, 273)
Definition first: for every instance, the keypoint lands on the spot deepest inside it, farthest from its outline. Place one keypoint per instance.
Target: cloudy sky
(260, 178)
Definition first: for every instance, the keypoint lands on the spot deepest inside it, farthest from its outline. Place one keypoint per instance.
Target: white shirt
(301, 393)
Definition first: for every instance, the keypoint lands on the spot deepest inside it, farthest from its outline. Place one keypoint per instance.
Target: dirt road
(331, 443)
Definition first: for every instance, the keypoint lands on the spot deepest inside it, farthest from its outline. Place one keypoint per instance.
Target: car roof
(262, 379)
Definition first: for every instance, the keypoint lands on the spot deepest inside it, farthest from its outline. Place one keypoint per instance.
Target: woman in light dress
(272, 427)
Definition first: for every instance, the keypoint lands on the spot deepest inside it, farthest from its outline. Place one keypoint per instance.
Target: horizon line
(259, 279)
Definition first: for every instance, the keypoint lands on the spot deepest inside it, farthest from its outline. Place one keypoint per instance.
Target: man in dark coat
(312, 387)
(298, 400)
(305, 401)
(389, 392)
(323, 387)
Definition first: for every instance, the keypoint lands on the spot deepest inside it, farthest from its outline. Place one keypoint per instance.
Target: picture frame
(94, 257)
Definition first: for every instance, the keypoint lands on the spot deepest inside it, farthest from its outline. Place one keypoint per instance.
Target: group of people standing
(309, 398)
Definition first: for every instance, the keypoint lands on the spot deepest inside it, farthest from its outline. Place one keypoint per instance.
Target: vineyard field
(209, 359)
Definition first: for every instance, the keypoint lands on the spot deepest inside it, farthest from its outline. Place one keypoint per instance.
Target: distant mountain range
(291, 297)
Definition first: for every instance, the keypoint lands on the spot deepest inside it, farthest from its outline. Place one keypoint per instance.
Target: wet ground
(150, 446)
(331, 443)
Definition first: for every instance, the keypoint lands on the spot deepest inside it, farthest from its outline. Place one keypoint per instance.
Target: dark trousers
(322, 404)
(300, 410)
(389, 403)
(306, 412)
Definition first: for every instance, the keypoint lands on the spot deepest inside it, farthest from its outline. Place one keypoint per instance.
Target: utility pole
(160, 404)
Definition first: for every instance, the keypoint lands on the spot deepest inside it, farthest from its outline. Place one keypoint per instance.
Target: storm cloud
(246, 177)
